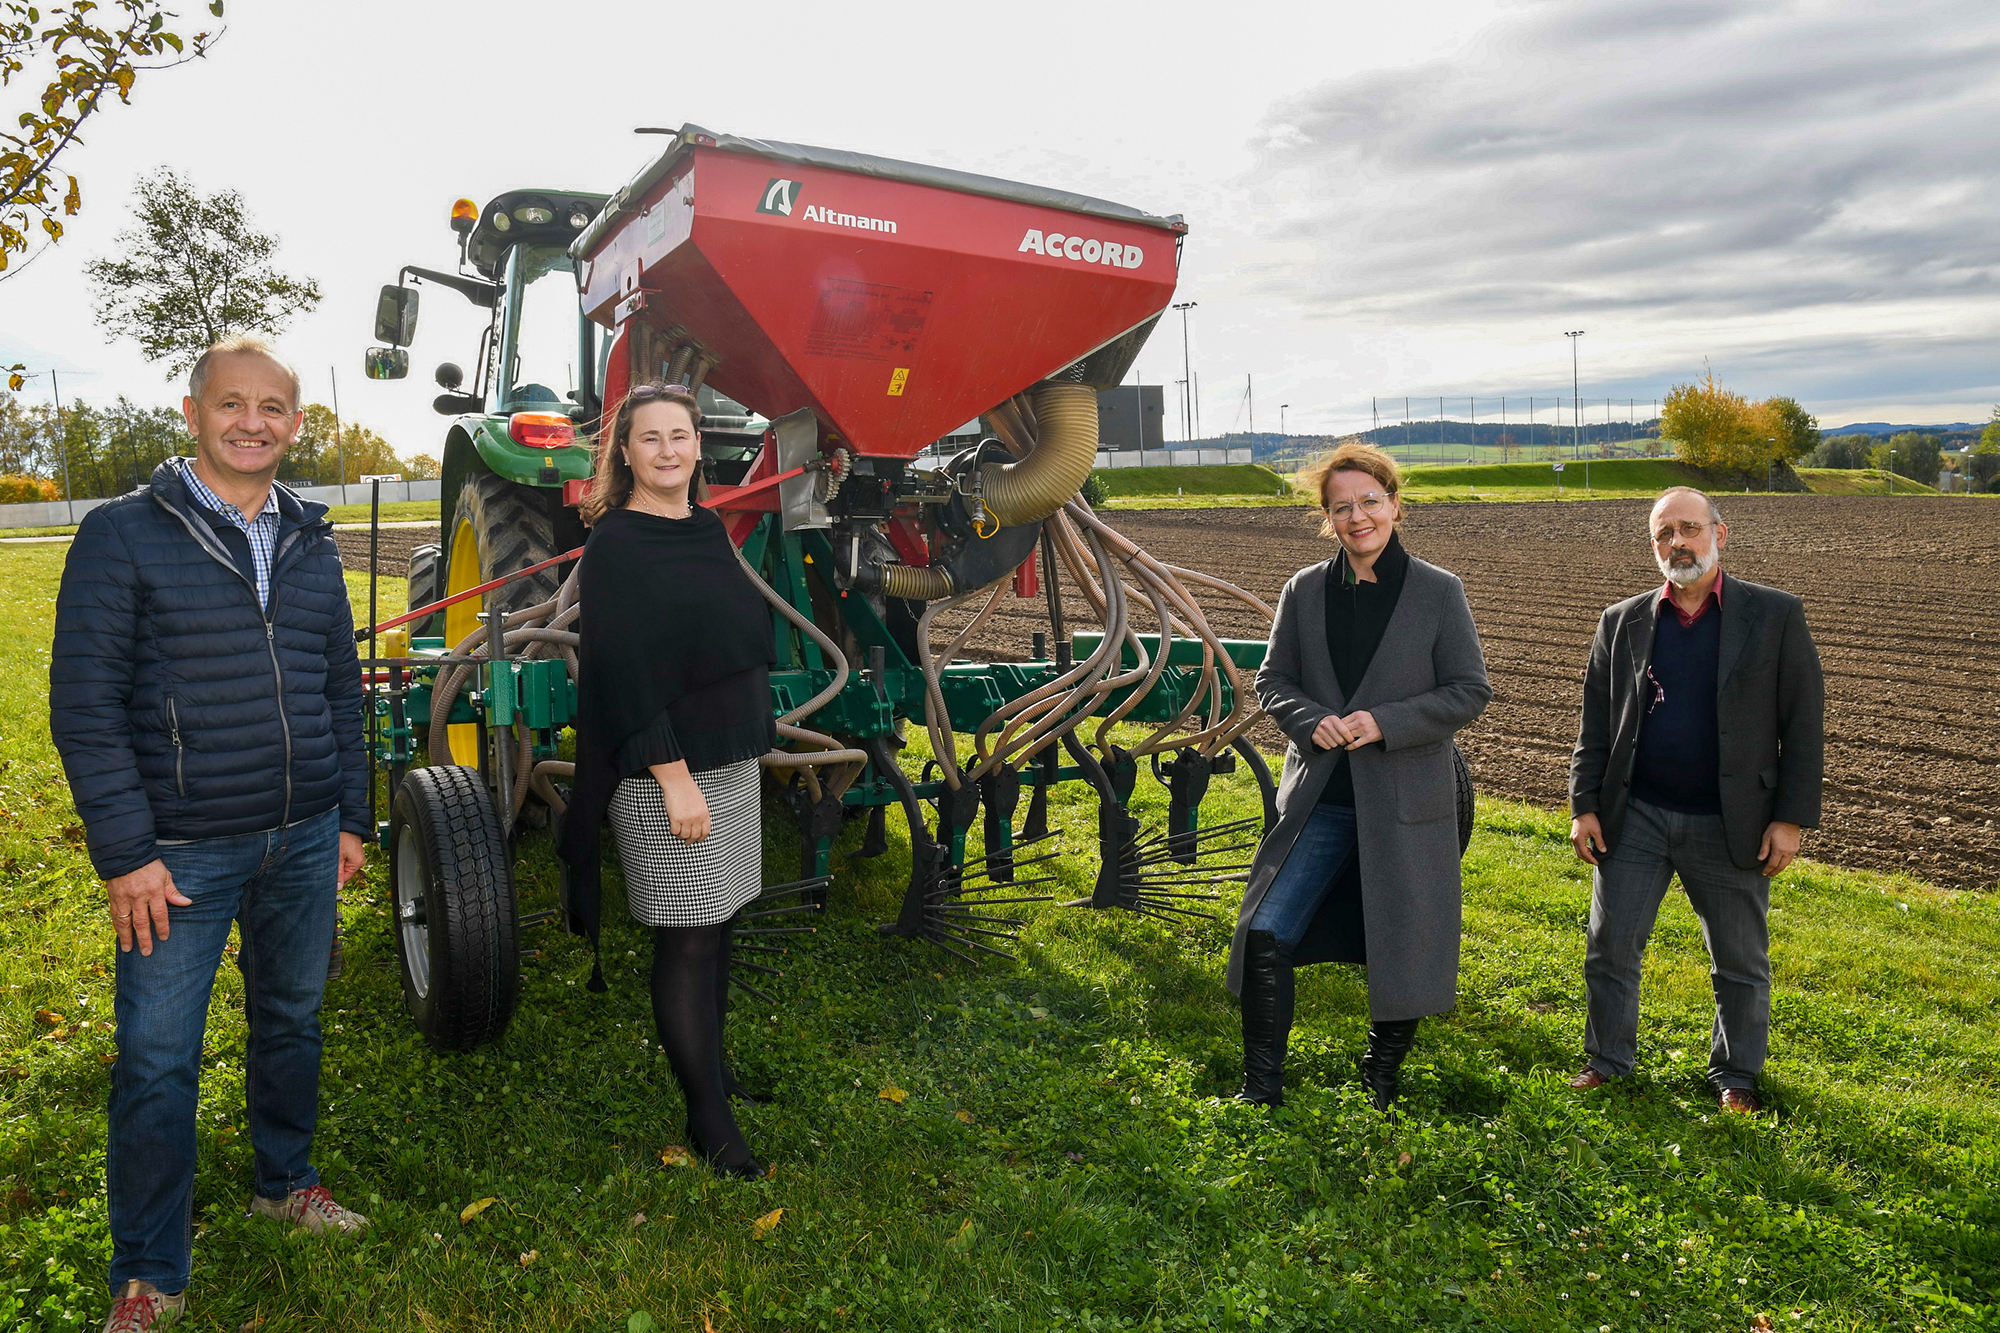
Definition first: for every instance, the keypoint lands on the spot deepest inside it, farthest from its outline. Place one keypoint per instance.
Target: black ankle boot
(1267, 1018)
(746, 1167)
(1388, 1042)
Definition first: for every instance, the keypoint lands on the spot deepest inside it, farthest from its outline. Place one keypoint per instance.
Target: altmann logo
(779, 196)
(814, 213)
(1084, 250)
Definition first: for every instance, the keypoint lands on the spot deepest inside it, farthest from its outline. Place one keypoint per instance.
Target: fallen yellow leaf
(48, 1016)
(892, 1093)
(962, 1241)
(474, 1209)
(766, 1224)
(675, 1155)
(965, 1116)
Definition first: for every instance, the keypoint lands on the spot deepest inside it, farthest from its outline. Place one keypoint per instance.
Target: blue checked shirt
(261, 530)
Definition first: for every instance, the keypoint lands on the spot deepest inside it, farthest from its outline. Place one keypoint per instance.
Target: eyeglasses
(1687, 530)
(1369, 504)
(645, 391)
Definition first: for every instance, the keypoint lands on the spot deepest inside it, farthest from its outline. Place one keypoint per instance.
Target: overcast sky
(1414, 199)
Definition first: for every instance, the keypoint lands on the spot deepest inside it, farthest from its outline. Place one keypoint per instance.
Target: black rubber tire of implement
(466, 875)
(426, 586)
(515, 529)
(1462, 776)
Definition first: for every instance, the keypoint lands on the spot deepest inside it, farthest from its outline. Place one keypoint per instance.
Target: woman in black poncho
(673, 712)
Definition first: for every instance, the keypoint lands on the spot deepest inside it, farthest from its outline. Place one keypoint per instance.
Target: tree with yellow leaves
(1715, 428)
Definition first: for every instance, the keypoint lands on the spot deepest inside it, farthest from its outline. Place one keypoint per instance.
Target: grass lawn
(1859, 481)
(1042, 1144)
(1213, 479)
(396, 511)
(1596, 479)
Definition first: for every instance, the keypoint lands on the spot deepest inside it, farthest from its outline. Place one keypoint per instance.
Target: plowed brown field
(1901, 598)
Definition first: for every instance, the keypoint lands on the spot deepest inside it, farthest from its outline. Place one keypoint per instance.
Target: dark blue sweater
(1677, 765)
(184, 710)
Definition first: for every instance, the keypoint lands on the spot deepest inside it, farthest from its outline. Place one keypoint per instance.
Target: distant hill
(1885, 428)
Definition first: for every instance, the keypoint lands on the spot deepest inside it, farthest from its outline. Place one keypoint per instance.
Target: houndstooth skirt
(673, 882)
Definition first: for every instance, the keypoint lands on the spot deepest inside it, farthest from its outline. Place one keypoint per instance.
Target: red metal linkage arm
(734, 497)
(483, 588)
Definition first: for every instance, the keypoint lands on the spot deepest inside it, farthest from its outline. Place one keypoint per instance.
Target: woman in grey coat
(1374, 664)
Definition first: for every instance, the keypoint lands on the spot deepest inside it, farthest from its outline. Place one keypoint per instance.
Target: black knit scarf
(666, 609)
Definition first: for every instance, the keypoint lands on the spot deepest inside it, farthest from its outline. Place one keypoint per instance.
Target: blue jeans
(279, 887)
(1320, 856)
(1732, 905)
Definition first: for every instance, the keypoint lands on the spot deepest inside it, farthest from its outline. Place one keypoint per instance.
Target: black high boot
(1267, 1018)
(1388, 1042)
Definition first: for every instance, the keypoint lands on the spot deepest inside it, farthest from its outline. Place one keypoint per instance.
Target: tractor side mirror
(396, 316)
(386, 363)
(449, 376)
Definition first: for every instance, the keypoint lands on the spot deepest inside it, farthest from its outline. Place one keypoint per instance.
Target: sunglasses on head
(645, 391)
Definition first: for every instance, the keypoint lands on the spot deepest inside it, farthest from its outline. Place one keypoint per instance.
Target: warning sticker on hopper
(898, 380)
(868, 321)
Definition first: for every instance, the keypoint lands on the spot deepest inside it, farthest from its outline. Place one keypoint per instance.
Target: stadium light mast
(1187, 413)
(1576, 403)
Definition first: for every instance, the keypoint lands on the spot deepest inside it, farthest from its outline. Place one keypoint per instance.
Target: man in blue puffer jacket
(205, 694)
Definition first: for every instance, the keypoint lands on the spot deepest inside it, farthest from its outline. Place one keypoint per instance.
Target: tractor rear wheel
(1462, 774)
(451, 892)
(498, 528)
(426, 586)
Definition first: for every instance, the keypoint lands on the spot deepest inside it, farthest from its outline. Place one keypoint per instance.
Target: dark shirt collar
(1713, 599)
(1390, 565)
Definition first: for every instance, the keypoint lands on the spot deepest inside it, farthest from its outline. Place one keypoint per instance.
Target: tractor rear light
(464, 215)
(541, 430)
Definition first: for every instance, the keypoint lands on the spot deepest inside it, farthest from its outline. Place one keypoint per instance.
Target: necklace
(687, 508)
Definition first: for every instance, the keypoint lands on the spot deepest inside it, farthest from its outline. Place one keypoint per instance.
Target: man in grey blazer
(1700, 752)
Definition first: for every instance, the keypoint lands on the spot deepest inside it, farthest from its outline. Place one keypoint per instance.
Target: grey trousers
(1732, 905)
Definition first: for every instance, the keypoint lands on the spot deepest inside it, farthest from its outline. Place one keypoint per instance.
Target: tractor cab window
(540, 343)
(721, 412)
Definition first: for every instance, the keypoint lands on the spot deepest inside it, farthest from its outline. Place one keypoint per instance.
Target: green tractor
(516, 454)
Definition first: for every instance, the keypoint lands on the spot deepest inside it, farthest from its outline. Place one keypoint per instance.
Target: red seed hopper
(896, 301)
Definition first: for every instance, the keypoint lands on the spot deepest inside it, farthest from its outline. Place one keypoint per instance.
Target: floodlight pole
(1576, 403)
(339, 451)
(1187, 413)
(62, 448)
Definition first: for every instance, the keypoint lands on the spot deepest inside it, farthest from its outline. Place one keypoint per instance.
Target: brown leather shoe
(1588, 1080)
(1741, 1101)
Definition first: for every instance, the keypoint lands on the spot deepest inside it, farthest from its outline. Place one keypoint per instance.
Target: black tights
(690, 977)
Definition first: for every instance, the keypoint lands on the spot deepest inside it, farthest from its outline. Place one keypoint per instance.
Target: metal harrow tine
(938, 940)
(778, 911)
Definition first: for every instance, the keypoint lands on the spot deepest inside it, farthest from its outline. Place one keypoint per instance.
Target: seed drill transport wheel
(497, 528)
(451, 887)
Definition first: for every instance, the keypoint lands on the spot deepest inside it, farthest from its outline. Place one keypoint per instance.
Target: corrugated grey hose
(1029, 488)
(831, 751)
